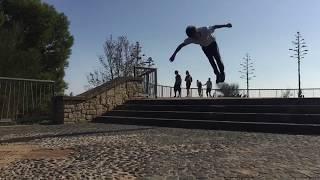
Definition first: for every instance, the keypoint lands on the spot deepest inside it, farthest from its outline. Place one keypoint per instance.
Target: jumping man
(203, 37)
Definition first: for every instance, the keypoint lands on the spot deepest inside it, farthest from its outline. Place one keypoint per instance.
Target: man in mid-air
(203, 36)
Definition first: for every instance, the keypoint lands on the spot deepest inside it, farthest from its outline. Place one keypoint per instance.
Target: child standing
(199, 84)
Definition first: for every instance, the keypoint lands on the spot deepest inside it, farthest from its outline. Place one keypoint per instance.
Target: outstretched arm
(212, 28)
(176, 51)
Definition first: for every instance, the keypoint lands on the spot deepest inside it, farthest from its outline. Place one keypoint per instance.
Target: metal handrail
(150, 82)
(167, 91)
(20, 97)
(23, 79)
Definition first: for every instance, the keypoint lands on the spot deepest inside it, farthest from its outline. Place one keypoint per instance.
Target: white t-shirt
(205, 39)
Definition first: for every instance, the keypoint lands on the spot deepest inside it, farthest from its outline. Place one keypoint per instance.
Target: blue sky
(264, 29)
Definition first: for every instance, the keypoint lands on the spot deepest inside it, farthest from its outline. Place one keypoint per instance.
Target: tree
(34, 41)
(247, 71)
(119, 59)
(228, 90)
(299, 53)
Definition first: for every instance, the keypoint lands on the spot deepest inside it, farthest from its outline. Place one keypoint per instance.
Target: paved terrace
(101, 151)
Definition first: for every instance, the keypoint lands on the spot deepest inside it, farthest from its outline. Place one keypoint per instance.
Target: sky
(264, 29)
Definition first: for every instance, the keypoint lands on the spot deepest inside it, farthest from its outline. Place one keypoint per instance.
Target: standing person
(188, 80)
(199, 84)
(177, 84)
(203, 37)
(209, 87)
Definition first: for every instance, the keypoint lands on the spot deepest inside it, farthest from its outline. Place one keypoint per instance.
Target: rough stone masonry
(86, 106)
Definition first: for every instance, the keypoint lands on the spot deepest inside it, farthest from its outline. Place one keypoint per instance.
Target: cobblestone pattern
(30, 132)
(165, 153)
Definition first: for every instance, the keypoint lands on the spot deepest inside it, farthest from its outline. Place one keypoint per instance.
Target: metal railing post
(161, 91)
(156, 83)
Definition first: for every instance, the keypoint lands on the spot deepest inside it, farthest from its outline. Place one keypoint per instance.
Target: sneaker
(218, 78)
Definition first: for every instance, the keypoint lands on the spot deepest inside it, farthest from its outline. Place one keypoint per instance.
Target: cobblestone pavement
(132, 152)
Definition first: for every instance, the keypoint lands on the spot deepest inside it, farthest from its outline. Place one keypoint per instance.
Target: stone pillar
(64, 108)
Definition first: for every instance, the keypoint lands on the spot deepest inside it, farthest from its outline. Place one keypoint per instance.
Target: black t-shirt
(188, 79)
(178, 80)
(199, 84)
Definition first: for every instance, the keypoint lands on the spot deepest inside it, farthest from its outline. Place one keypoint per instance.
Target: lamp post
(247, 70)
(300, 51)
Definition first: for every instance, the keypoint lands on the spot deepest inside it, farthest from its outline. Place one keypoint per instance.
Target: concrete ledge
(88, 105)
(108, 85)
(70, 98)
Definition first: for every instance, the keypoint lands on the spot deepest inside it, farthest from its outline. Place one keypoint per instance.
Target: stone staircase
(297, 116)
(6, 122)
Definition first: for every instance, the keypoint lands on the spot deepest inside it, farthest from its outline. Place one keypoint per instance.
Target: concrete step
(228, 101)
(6, 122)
(222, 116)
(287, 128)
(292, 109)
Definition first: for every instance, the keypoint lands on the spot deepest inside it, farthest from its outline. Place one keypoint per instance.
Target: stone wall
(95, 102)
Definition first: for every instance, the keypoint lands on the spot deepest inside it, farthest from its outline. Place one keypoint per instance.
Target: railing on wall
(167, 91)
(149, 80)
(25, 99)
